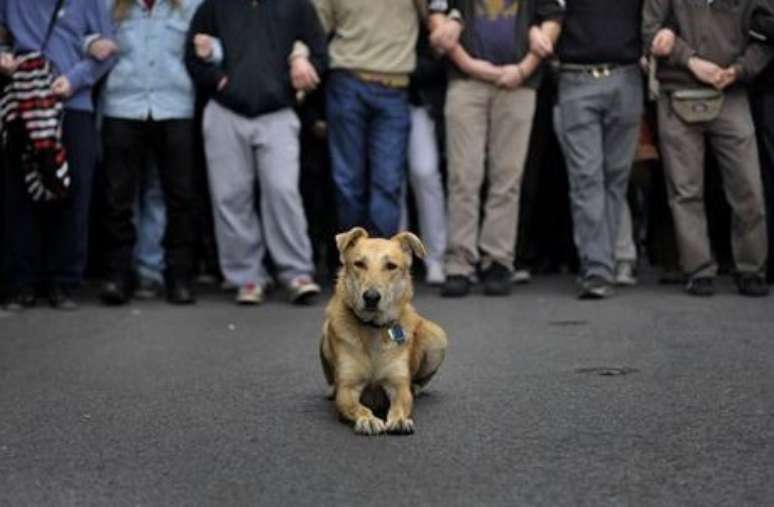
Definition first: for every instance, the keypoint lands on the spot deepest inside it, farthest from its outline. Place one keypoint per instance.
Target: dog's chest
(384, 359)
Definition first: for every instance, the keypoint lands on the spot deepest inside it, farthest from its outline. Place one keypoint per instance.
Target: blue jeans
(368, 131)
(150, 215)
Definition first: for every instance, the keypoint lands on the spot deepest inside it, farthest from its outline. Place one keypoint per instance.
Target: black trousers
(763, 113)
(127, 144)
(47, 243)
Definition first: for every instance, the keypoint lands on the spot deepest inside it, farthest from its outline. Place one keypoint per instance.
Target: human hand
(512, 77)
(663, 43)
(445, 35)
(102, 49)
(705, 71)
(62, 87)
(540, 43)
(203, 46)
(726, 78)
(8, 64)
(303, 75)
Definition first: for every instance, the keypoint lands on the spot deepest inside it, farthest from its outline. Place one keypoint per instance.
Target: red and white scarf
(31, 126)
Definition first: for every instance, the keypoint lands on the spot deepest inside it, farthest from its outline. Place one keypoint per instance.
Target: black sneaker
(752, 285)
(179, 292)
(595, 287)
(61, 298)
(497, 280)
(702, 286)
(21, 299)
(455, 286)
(113, 293)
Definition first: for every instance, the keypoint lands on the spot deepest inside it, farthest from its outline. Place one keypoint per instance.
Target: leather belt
(597, 71)
(383, 78)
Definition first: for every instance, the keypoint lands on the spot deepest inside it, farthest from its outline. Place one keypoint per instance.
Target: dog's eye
(360, 264)
(391, 266)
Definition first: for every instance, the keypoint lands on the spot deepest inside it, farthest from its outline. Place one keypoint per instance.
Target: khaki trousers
(731, 137)
(487, 131)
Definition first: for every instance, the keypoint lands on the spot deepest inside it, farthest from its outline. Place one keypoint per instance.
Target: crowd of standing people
(170, 139)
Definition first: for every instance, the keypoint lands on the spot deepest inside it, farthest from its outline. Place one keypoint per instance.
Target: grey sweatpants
(425, 178)
(597, 121)
(243, 155)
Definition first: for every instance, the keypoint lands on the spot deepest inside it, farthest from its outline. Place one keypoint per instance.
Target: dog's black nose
(371, 298)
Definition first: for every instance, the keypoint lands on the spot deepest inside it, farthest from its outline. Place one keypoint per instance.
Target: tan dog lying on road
(374, 343)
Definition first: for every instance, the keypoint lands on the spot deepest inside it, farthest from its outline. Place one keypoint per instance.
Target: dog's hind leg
(428, 353)
(327, 366)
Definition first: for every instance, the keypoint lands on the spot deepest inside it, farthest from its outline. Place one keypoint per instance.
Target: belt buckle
(600, 72)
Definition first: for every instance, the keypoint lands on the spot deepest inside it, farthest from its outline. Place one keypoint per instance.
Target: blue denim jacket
(149, 79)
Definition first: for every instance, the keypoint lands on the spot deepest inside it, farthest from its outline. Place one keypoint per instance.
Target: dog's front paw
(369, 426)
(400, 425)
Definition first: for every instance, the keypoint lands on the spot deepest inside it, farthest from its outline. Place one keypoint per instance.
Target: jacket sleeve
(88, 70)
(549, 10)
(207, 75)
(763, 22)
(758, 54)
(327, 14)
(311, 33)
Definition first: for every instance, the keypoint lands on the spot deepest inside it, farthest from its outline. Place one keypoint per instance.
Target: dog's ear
(347, 240)
(411, 244)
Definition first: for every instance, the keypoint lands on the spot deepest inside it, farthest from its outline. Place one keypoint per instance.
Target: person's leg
(578, 124)
(625, 248)
(764, 119)
(282, 210)
(232, 176)
(347, 124)
(68, 227)
(682, 152)
(732, 138)
(467, 119)
(124, 150)
(621, 133)
(150, 217)
(510, 123)
(175, 148)
(22, 239)
(425, 177)
(388, 135)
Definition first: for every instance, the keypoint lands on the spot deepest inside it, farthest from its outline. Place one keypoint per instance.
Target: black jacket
(763, 25)
(257, 38)
(532, 12)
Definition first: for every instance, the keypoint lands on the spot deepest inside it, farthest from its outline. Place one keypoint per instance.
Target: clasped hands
(705, 71)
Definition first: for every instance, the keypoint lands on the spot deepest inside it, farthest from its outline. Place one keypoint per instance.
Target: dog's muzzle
(371, 299)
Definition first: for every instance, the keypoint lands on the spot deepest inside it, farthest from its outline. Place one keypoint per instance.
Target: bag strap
(51, 23)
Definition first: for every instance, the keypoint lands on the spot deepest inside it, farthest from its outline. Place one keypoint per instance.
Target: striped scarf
(31, 127)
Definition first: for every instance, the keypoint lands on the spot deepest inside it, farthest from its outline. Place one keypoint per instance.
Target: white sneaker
(521, 276)
(303, 290)
(624, 274)
(250, 294)
(434, 273)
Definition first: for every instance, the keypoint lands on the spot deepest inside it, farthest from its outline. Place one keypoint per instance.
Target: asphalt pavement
(650, 398)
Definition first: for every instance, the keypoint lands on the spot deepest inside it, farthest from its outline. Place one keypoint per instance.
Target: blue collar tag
(397, 334)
